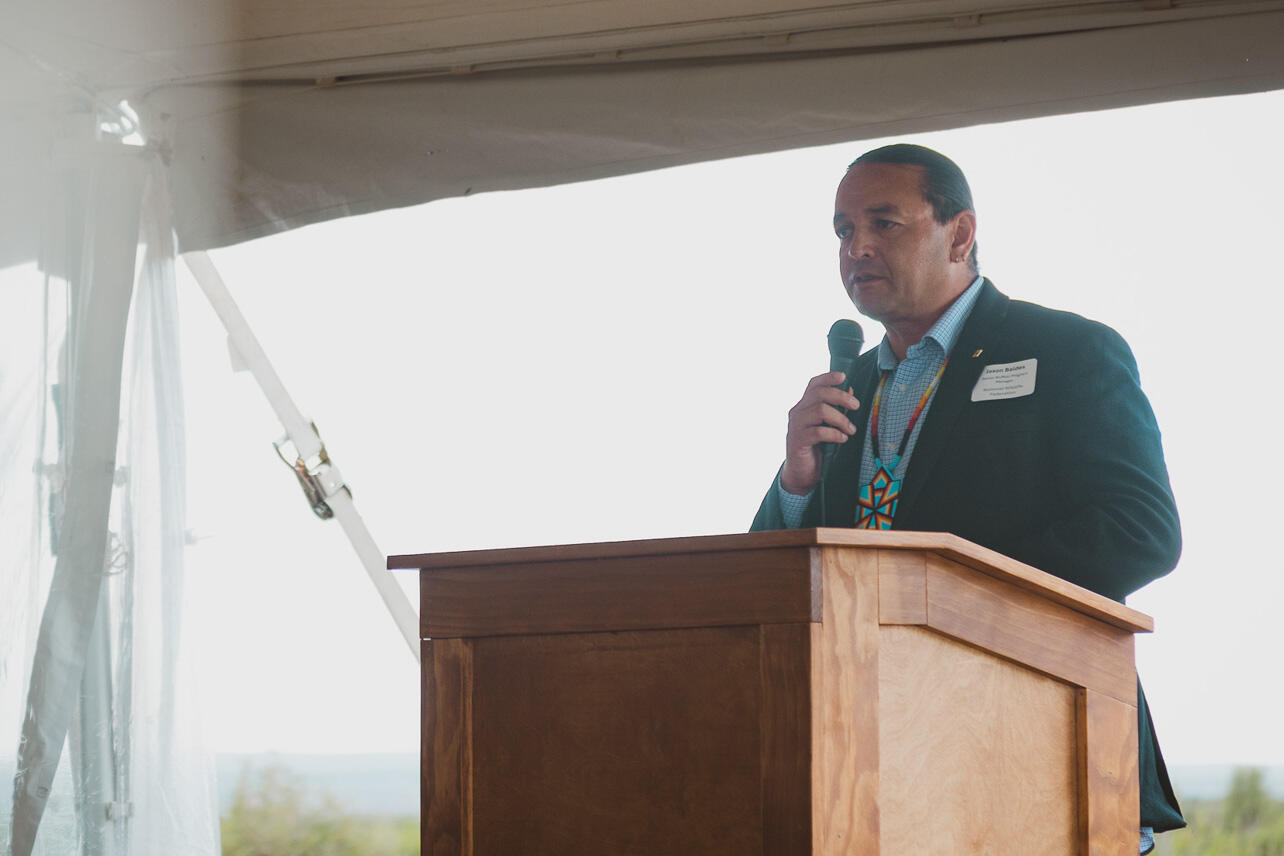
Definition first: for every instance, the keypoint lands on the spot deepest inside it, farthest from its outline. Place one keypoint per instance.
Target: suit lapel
(953, 395)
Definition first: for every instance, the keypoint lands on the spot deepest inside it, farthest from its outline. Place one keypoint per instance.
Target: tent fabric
(253, 160)
(100, 247)
(283, 114)
(171, 793)
(134, 46)
(96, 676)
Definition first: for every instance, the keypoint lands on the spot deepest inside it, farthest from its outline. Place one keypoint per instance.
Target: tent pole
(308, 447)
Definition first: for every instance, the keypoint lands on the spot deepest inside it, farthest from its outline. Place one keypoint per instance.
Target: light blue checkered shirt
(905, 385)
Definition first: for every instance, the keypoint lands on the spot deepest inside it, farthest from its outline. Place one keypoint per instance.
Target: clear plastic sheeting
(100, 737)
(32, 330)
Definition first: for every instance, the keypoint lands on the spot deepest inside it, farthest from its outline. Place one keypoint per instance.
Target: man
(1014, 426)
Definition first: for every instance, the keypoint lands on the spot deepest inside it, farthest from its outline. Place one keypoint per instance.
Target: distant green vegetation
(1246, 822)
(273, 814)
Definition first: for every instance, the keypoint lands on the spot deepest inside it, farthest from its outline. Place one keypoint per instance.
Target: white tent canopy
(238, 119)
(280, 114)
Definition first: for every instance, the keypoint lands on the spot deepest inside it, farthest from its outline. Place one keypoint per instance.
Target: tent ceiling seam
(614, 60)
(691, 42)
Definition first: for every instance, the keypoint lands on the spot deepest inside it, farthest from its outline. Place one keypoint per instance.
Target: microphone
(845, 341)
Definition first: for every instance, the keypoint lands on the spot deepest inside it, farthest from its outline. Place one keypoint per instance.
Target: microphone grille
(845, 338)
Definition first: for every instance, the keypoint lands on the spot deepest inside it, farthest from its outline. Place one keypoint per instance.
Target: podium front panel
(689, 741)
(977, 753)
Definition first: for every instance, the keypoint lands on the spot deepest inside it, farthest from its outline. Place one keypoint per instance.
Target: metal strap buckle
(318, 477)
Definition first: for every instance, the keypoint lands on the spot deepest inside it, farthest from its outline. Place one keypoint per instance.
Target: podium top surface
(949, 546)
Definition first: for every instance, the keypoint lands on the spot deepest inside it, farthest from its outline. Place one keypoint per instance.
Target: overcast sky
(614, 360)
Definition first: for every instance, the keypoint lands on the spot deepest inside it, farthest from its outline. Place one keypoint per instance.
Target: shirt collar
(943, 334)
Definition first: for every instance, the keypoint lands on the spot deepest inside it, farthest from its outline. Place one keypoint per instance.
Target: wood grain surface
(943, 544)
(618, 743)
(776, 693)
(736, 587)
(447, 763)
(1109, 809)
(1017, 624)
(902, 587)
(844, 680)
(977, 754)
(785, 736)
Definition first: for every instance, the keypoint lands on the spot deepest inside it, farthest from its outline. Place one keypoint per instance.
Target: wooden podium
(816, 691)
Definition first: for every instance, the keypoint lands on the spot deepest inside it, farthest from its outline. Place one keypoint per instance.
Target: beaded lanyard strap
(876, 504)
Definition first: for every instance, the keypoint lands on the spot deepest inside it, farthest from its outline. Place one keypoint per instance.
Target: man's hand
(815, 419)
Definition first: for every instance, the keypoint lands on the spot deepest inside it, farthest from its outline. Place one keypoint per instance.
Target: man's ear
(964, 235)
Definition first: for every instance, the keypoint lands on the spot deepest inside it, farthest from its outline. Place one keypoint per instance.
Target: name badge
(1006, 380)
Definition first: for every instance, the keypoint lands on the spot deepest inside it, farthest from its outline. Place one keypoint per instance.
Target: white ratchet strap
(319, 478)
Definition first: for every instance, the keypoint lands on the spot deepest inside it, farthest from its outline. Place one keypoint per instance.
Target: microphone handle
(828, 451)
(845, 341)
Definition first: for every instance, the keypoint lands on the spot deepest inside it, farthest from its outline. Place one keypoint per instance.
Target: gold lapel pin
(977, 353)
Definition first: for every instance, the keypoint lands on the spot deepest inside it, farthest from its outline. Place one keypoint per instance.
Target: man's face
(893, 256)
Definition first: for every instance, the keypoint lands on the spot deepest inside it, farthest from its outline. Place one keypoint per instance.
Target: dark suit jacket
(1070, 479)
